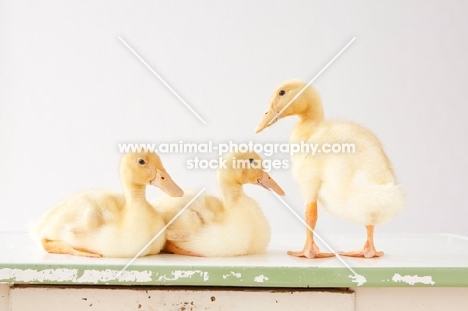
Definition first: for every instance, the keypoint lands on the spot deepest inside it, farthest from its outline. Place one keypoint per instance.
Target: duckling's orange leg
(368, 251)
(60, 247)
(311, 249)
(170, 247)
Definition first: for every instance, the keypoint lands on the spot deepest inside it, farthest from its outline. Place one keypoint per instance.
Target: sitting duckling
(99, 223)
(230, 226)
(359, 187)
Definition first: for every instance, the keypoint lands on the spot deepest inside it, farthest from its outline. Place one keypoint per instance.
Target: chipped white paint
(71, 275)
(181, 274)
(260, 279)
(96, 276)
(358, 279)
(30, 275)
(232, 274)
(413, 279)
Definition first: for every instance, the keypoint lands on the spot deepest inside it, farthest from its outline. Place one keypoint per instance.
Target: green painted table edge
(235, 276)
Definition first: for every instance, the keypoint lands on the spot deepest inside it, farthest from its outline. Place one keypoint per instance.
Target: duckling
(101, 223)
(359, 186)
(232, 225)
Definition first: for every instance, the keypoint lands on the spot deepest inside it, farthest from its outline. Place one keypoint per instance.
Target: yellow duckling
(230, 226)
(359, 187)
(98, 223)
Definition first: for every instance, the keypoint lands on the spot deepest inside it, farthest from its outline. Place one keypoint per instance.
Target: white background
(70, 91)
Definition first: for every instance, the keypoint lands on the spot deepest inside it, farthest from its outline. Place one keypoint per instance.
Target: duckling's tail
(377, 204)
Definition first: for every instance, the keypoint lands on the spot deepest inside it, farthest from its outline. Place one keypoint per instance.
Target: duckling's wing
(80, 214)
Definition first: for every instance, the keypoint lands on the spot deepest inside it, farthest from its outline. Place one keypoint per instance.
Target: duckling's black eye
(281, 93)
(251, 160)
(141, 162)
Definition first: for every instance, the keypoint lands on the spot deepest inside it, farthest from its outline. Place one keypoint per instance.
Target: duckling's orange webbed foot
(368, 251)
(170, 247)
(310, 251)
(60, 247)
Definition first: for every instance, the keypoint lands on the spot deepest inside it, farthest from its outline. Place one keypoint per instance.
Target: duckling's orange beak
(164, 182)
(269, 183)
(269, 118)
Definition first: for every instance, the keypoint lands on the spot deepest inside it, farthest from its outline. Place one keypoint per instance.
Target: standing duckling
(359, 187)
(99, 223)
(230, 226)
